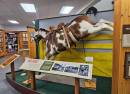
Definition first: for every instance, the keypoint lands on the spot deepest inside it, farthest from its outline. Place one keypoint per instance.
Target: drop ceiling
(11, 9)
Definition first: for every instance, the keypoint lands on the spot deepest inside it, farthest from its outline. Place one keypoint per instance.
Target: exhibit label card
(72, 69)
(31, 64)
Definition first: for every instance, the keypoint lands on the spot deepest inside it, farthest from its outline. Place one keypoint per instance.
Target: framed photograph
(58, 67)
(47, 65)
(83, 70)
(127, 65)
(71, 69)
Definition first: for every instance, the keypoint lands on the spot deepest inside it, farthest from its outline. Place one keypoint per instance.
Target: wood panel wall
(3, 53)
(21, 40)
(31, 44)
(121, 16)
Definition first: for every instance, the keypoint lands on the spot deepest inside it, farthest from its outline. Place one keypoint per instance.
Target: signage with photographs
(46, 65)
(72, 69)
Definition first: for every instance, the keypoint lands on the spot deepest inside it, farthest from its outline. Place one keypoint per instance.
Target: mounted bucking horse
(64, 36)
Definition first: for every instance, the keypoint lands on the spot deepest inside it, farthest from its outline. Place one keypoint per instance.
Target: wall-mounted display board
(120, 85)
(2, 43)
(77, 70)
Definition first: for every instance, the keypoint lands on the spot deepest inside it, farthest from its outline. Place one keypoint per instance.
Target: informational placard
(8, 61)
(126, 36)
(32, 64)
(72, 69)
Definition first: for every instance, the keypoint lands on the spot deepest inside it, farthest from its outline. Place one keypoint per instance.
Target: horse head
(40, 34)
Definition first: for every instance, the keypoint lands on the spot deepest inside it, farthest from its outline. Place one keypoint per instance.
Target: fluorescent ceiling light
(28, 7)
(13, 21)
(66, 9)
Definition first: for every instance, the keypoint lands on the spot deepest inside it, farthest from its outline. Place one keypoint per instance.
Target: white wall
(15, 28)
(1, 27)
(45, 23)
(104, 5)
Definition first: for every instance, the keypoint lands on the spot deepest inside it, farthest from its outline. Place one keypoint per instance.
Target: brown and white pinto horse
(64, 36)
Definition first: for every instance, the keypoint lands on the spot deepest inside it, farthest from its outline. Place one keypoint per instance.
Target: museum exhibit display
(65, 47)
(72, 55)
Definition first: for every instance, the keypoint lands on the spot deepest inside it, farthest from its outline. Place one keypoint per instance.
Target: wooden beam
(31, 44)
(121, 17)
(33, 80)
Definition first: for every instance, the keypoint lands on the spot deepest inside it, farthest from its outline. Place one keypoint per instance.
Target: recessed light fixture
(66, 9)
(28, 7)
(13, 21)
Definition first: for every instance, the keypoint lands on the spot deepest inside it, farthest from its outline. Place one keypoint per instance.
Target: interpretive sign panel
(72, 69)
(10, 60)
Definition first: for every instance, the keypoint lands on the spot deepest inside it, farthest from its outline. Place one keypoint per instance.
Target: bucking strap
(72, 37)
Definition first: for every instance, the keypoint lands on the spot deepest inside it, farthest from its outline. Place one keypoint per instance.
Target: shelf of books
(2, 43)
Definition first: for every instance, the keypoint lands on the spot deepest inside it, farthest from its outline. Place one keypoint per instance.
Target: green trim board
(37, 24)
(46, 87)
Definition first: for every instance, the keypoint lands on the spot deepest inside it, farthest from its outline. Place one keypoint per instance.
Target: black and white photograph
(83, 70)
(71, 69)
(58, 67)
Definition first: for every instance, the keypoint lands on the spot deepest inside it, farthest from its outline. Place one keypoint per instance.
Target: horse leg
(106, 22)
(102, 26)
(52, 58)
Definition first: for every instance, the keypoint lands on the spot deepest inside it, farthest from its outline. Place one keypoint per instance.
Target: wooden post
(121, 17)
(77, 86)
(13, 71)
(33, 80)
(23, 55)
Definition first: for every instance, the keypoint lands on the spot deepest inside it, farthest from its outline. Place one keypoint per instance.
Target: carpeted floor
(47, 87)
(5, 88)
